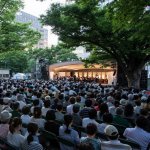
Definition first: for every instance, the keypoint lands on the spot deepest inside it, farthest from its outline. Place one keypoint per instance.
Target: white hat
(47, 97)
(5, 115)
(111, 130)
(6, 100)
(123, 101)
(143, 98)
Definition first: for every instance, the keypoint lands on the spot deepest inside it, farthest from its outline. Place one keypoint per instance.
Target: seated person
(91, 130)
(59, 115)
(76, 117)
(15, 112)
(68, 133)
(14, 136)
(107, 119)
(118, 118)
(47, 104)
(4, 126)
(138, 133)
(36, 118)
(113, 143)
(32, 140)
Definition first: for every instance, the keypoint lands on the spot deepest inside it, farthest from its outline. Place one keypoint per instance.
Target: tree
(13, 35)
(16, 61)
(92, 23)
(54, 54)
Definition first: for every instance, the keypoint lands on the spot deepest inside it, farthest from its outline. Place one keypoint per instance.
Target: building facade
(24, 17)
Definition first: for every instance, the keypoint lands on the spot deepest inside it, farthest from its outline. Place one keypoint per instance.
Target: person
(84, 113)
(25, 118)
(14, 136)
(112, 109)
(107, 119)
(47, 104)
(118, 118)
(66, 132)
(138, 134)
(76, 117)
(15, 112)
(113, 143)
(32, 140)
(5, 117)
(138, 107)
(70, 107)
(37, 117)
(59, 115)
(91, 119)
(50, 124)
(103, 110)
(91, 131)
(35, 104)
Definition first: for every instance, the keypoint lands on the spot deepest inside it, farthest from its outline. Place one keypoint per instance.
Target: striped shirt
(138, 135)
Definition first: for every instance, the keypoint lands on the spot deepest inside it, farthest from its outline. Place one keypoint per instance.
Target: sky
(37, 8)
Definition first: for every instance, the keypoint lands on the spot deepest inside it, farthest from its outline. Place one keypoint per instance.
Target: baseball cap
(5, 115)
(111, 130)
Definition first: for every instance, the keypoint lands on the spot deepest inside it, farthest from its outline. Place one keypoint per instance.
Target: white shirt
(114, 145)
(15, 139)
(70, 109)
(86, 121)
(25, 119)
(21, 104)
(112, 110)
(44, 111)
(137, 109)
(138, 135)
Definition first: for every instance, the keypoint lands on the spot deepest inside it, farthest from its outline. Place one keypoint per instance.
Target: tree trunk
(133, 78)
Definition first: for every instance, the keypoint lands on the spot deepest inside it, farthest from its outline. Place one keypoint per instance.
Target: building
(106, 75)
(24, 17)
(4, 73)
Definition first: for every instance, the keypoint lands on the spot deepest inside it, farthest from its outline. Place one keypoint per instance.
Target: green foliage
(54, 54)
(119, 30)
(17, 36)
(16, 61)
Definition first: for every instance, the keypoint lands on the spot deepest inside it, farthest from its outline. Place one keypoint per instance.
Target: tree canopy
(117, 30)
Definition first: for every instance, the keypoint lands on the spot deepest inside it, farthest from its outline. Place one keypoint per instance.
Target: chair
(66, 142)
(133, 144)
(4, 145)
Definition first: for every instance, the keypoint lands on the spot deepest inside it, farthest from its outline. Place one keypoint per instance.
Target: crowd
(58, 106)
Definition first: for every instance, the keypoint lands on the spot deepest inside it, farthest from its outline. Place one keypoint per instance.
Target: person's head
(119, 111)
(144, 112)
(128, 110)
(88, 103)
(104, 108)
(107, 118)
(138, 103)
(116, 103)
(78, 99)
(50, 115)
(85, 146)
(47, 103)
(15, 106)
(91, 129)
(26, 110)
(37, 112)
(72, 100)
(141, 122)
(76, 108)
(59, 107)
(5, 116)
(47, 97)
(15, 125)
(67, 121)
(32, 130)
(36, 102)
(111, 132)
(92, 114)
